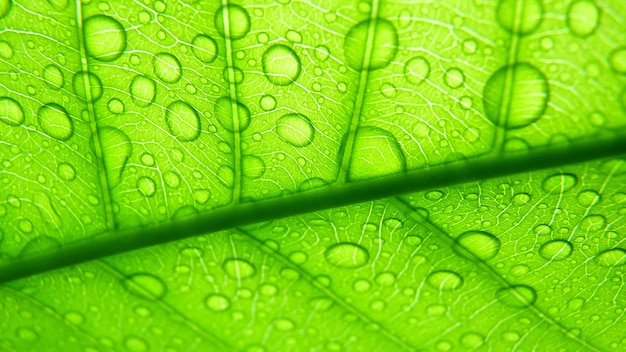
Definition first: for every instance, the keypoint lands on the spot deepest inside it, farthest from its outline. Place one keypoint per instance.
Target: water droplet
(182, 121)
(445, 280)
(521, 199)
(284, 324)
(171, 179)
(556, 250)
(588, 198)
(74, 317)
(454, 78)
(236, 73)
(253, 166)
(480, 244)
(281, 65)
(575, 304)
(322, 53)
(11, 112)
(26, 333)
(217, 302)
(116, 106)
(6, 51)
(387, 158)
(519, 93)
(597, 119)
(612, 257)
(388, 90)
(204, 48)
(617, 59)
(40, 244)
(95, 86)
(167, 67)
(147, 159)
(66, 171)
(226, 175)
(559, 183)
(380, 49)
(105, 38)
(238, 21)
(295, 129)
(53, 76)
(583, 17)
(472, 340)
(145, 286)
(267, 102)
(518, 296)
(224, 114)
(55, 121)
(142, 90)
(346, 255)
(146, 186)
(519, 17)
(470, 46)
(116, 149)
(238, 268)
(416, 70)
(593, 223)
(135, 344)
(201, 196)
(385, 279)
(25, 226)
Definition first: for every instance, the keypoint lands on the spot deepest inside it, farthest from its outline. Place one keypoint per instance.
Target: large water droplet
(145, 286)
(204, 48)
(617, 59)
(116, 149)
(217, 302)
(295, 129)
(182, 121)
(142, 90)
(583, 17)
(445, 280)
(363, 53)
(136, 344)
(6, 50)
(588, 198)
(518, 296)
(66, 171)
(516, 96)
(559, 183)
(556, 250)
(53, 76)
(55, 121)
(238, 268)
(146, 186)
(346, 255)
(95, 86)
(11, 111)
(376, 152)
(267, 102)
(253, 166)
(416, 70)
(281, 65)
(612, 257)
(454, 78)
(236, 18)
(167, 67)
(224, 114)
(482, 245)
(105, 38)
(519, 16)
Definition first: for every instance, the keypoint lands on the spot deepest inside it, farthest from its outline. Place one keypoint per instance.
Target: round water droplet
(116, 106)
(55, 121)
(79, 82)
(145, 286)
(237, 75)
(385, 279)
(322, 53)
(11, 111)
(136, 344)
(363, 53)
(454, 78)
(416, 70)
(518, 296)
(6, 50)
(167, 67)
(519, 17)
(445, 280)
(142, 90)
(253, 166)
(267, 102)
(236, 18)
(295, 129)
(74, 317)
(556, 250)
(281, 65)
(521, 199)
(217, 302)
(5, 6)
(204, 48)
(472, 340)
(516, 96)
(346, 255)
(612, 257)
(225, 116)
(171, 179)
(182, 121)
(588, 198)
(559, 183)
(147, 159)
(105, 38)
(146, 186)
(53, 76)
(376, 153)
(116, 149)
(583, 17)
(66, 171)
(238, 268)
(617, 59)
(480, 244)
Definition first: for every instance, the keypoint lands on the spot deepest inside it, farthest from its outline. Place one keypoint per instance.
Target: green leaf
(312, 175)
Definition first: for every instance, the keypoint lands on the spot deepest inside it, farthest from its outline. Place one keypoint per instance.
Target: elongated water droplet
(482, 245)
(556, 250)
(66, 171)
(95, 86)
(363, 53)
(445, 280)
(204, 48)
(53, 76)
(217, 302)
(376, 153)
(519, 17)
(116, 149)
(281, 65)
(167, 67)
(454, 78)
(145, 286)
(11, 111)
(518, 296)
(346, 255)
(142, 90)
(295, 129)
(238, 268)
(182, 121)
(583, 17)
(236, 18)
(612, 257)
(105, 38)
(559, 183)
(6, 50)
(55, 121)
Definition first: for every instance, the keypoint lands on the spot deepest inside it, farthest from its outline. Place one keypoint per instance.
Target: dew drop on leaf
(521, 199)
(145, 285)
(385, 278)
(284, 324)
(454, 78)
(171, 179)
(588, 198)
(135, 344)
(346, 255)
(238, 21)
(201, 196)
(95, 86)
(238, 268)
(518, 296)
(376, 152)
(217, 302)
(480, 244)
(281, 65)
(380, 49)
(184, 211)
(472, 340)
(66, 172)
(204, 48)
(147, 159)
(105, 38)
(519, 18)
(226, 175)
(142, 90)
(388, 90)
(295, 129)
(253, 166)
(312, 183)
(116, 149)
(5, 6)
(556, 250)
(116, 106)
(445, 280)
(167, 67)
(75, 318)
(6, 50)
(146, 186)
(617, 59)
(224, 114)
(53, 76)
(322, 53)
(559, 183)
(55, 121)
(575, 304)
(267, 102)
(183, 121)
(520, 91)
(11, 111)
(583, 17)
(612, 257)
(268, 289)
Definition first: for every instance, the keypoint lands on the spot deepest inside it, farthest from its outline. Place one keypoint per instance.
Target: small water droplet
(416, 70)
(145, 285)
(519, 17)
(268, 289)
(588, 198)
(322, 53)
(293, 36)
(66, 171)
(267, 102)
(295, 129)
(389, 158)
(238, 268)
(146, 186)
(384, 45)
(183, 121)
(281, 65)
(617, 59)
(385, 278)
(521, 199)
(575, 304)
(583, 17)
(556, 250)
(472, 340)
(53, 76)
(142, 90)
(470, 46)
(518, 296)
(217, 302)
(224, 114)
(346, 255)
(480, 244)
(55, 121)
(284, 324)
(6, 51)
(136, 344)
(226, 175)
(204, 48)
(454, 78)
(445, 280)
(116, 106)
(559, 183)
(238, 21)
(39, 245)
(11, 111)
(612, 257)
(147, 159)
(116, 149)
(75, 318)
(388, 90)
(95, 86)
(167, 67)
(105, 38)
(201, 196)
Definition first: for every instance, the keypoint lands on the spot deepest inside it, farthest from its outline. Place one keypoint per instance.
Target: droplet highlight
(517, 296)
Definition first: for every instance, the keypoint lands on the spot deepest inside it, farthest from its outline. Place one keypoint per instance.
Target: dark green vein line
(449, 240)
(115, 242)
